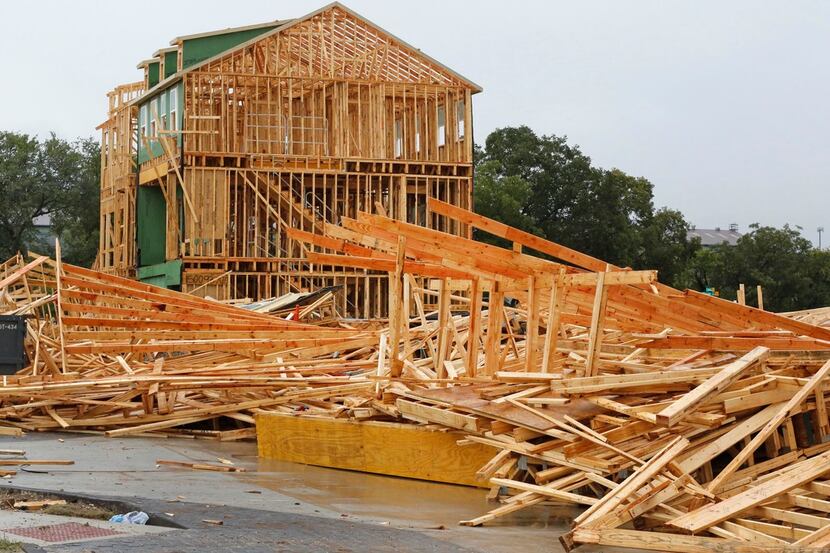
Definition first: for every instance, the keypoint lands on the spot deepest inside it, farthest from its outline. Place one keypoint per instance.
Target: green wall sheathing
(166, 102)
(193, 51)
(197, 50)
(167, 274)
(170, 63)
(153, 75)
(151, 225)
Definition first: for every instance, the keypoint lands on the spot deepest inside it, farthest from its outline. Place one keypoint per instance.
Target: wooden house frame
(236, 136)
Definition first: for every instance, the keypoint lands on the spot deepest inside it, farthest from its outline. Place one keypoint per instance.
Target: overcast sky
(724, 106)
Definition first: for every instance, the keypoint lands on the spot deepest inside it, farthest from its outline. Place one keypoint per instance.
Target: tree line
(544, 185)
(540, 184)
(55, 178)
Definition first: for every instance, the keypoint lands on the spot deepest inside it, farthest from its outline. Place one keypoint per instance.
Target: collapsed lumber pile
(818, 317)
(115, 355)
(679, 421)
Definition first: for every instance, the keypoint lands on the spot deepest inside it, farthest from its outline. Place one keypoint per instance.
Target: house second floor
(330, 85)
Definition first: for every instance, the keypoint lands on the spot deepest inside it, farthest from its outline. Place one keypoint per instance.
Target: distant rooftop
(42, 220)
(715, 236)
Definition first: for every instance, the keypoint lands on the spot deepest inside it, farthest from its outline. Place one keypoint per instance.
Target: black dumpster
(12, 352)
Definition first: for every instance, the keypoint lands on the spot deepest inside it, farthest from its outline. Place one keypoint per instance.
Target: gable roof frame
(290, 23)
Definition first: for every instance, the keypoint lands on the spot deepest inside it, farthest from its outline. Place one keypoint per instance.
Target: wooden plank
(553, 320)
(672, 414)
(795, 476)
(736, 433)
(634, 482)
(735, 343)
(657, 541)
(785, 411)
(501, 230)
(753, 314)
(5, 282)
(495, 317)
(546, 491)
(436, 415)
(199, 466)
(39, 504)
(597, 324)
(382, 448)
(474, 328)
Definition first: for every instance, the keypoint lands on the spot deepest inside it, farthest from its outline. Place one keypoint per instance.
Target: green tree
(25, 193)
(608, 217)
(818, 267)
(664, 243)
(76, 220)
(556, 173)
(792, 274)
(502, 198)
(706, 269)
(605, 213)
(546, 186)
(51, 177)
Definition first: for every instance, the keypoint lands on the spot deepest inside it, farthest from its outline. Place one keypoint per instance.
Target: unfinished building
(235, 136)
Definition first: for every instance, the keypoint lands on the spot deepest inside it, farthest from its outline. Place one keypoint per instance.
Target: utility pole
(820, 230)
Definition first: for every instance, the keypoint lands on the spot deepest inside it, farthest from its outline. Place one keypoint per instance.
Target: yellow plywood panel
(153, 172)
(383, 448)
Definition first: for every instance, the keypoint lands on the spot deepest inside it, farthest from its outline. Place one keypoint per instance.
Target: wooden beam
(658, 541)
(793, 477)
(596, 330)
(501, 230)
(815, 381)
(672, 414)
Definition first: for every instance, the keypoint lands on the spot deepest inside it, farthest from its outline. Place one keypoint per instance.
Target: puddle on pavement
(415, 502)
(403, 502)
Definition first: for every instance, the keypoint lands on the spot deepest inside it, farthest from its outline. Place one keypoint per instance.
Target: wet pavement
(274, 506)
(415, 504)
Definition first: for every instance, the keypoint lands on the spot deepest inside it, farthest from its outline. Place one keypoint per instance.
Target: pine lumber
(23, 462)
(657, 541)
(38, 504)
(547, 381)
(200, 466)
(794, 477)
(784, 412)
(714, 384)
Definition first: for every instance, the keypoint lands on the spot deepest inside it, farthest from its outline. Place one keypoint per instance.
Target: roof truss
(335, 43)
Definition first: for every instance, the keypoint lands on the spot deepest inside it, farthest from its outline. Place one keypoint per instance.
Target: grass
(81, 509)
(8, 546)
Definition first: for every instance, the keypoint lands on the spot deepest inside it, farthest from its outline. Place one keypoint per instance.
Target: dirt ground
(73, 508)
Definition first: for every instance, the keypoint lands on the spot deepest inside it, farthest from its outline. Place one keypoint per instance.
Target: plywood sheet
(377, 447)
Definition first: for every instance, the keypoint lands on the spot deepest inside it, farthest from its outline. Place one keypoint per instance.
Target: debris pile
(115, 355)
(679, 421)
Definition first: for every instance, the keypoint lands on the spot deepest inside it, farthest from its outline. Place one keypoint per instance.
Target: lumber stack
(114, 355)
(676, 420)
(817, 317)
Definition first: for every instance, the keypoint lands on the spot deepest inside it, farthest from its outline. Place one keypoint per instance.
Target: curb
(120, 505)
